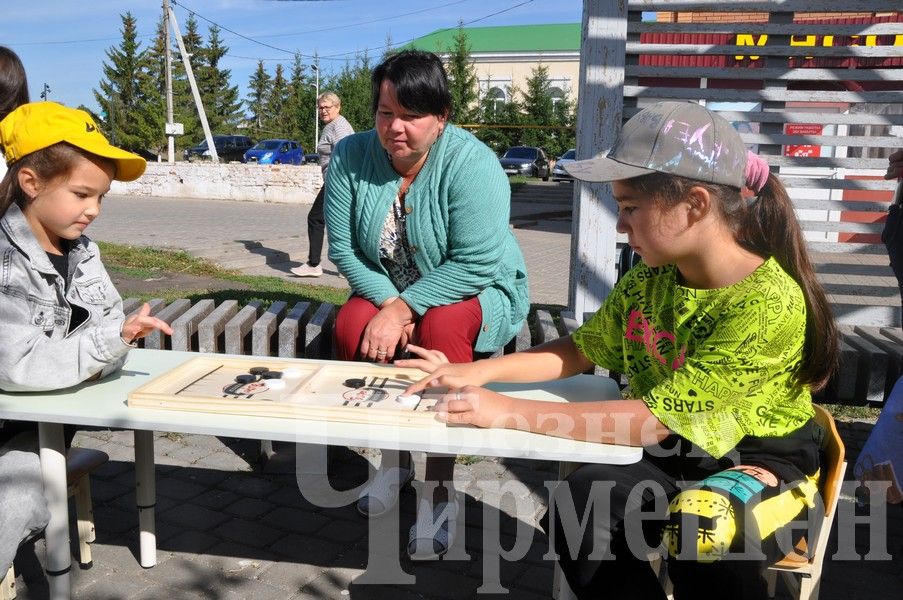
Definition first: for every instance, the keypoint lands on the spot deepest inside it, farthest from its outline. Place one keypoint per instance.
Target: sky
(63, 43)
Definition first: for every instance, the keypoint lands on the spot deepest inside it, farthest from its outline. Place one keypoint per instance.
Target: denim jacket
(37, 350)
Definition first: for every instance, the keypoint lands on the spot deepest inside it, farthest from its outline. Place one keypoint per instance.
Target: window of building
(497, 97)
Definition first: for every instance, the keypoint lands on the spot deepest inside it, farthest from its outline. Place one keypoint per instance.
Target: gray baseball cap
(680, 138)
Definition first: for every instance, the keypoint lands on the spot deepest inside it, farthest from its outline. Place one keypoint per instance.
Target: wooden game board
(348, 392)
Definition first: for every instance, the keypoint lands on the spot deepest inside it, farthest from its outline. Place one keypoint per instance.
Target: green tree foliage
(276, 123)
(546, 114)
(499, 122)
(258, 92)
(184, 108)
(220, 99)
(462, 80)
(157, 60)
(301, 105)
(131, 106)
(352, 85)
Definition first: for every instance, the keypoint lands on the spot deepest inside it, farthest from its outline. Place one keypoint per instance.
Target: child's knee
(701, 525)
(713, 517)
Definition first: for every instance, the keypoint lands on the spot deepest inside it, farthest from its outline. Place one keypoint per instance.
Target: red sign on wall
(803, 150)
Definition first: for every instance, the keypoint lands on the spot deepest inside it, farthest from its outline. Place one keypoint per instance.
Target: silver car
(558, 172)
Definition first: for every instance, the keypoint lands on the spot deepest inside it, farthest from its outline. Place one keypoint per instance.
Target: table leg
(145, 497)
(560, 588)
(56, 536)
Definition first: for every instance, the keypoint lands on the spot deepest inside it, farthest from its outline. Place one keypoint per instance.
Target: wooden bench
(871, 357)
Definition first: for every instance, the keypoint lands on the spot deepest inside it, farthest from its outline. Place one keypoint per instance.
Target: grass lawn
(169, 274)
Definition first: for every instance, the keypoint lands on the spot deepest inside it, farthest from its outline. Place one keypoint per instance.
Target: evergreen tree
(276, 120)
(131, 106)
(220, 99)
(184, 109)
(258, 92)
(301, 106)
(352, 85)
(157, 61)
(538, 106)
(157, 72)
(388, 50)
(565, 114)
(540, 109)
(462, 79)
(500, 121)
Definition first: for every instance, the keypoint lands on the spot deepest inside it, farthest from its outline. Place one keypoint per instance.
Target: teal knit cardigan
(457, 226)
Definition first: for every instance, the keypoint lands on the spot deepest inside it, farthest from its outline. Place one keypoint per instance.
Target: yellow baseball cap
(38, 125)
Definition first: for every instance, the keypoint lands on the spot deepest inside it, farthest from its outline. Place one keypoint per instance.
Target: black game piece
(245, 378)
(271, 375)
(233, 388)
(257, 370)
(355, 382)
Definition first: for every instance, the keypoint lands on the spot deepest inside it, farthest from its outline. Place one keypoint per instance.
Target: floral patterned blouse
(394, 250)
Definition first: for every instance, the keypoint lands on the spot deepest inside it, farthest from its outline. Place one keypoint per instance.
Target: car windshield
(521, 152)
(202, 145)
(569, 155)
(268, 145)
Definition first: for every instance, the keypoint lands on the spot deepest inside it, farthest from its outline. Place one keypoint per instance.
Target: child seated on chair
(61, 319)
(722, 331)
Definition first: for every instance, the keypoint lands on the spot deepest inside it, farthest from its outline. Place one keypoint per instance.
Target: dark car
(275, 152)
(526, 160)
(558, 172)
(228, 148)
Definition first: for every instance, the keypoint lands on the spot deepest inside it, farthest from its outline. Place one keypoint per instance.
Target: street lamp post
(316, 104)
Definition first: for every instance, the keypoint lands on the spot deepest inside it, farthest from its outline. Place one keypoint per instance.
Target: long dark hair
(13, 83)
(768, 227)
(421, 84)
(50, 163)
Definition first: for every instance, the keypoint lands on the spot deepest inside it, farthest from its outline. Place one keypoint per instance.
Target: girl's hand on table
(441, 372)
(477, 406)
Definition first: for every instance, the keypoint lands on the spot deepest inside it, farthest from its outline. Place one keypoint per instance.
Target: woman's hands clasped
(390, 329)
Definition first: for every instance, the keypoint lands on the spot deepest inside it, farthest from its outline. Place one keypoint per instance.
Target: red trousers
(451, 329)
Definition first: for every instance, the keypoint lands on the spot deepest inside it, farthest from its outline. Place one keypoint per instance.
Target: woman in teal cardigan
(417, 212)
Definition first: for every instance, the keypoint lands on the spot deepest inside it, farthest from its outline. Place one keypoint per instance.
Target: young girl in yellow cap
(61, 319)
(722, 333)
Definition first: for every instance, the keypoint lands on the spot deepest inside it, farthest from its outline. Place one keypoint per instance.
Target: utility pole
(316, 69)
(170, 126)
(45, 94)
(186, 61)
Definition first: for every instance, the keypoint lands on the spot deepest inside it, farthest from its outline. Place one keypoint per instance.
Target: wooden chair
(80, 463)
(801, 561)
(807, 559)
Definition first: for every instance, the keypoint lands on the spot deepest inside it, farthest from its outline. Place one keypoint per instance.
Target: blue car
(275, 152)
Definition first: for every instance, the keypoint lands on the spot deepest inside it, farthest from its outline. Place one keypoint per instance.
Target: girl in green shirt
(723, 332)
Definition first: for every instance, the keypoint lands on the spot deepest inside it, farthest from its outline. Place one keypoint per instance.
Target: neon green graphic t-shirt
(712, 365)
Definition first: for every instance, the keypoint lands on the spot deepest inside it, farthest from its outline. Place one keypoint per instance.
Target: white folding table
(103, 404)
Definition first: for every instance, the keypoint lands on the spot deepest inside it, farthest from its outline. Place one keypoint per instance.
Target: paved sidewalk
(228, 530)
(270, 239)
